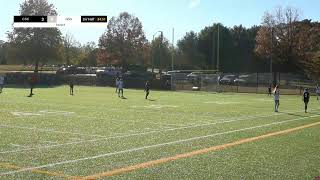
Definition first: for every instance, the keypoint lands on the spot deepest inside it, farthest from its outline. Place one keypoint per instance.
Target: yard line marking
(152, 146)
(49, 130)
(75, 139)
(195, 153)
(55, 174)
(50, 142)
(18, 145)
(115, 109)
(139, 134)
(129, 121)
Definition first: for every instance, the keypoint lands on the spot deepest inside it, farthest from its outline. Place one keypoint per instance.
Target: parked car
(194, 74)
(242, 79)
(227, 79)
(108, 71)
(71, 70)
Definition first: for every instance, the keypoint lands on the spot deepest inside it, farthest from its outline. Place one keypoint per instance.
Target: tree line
(292, 43)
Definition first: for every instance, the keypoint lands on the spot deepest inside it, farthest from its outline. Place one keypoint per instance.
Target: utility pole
(160, 51)
(172, 58)
(152, 55)
(271, 58)
(213, 50)
(172, 55)
(218, 49)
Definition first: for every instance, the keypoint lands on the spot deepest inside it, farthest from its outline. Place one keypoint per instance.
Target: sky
(164, 15)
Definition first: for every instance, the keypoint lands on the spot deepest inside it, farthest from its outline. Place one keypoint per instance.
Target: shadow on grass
(151, 100)
(300, 115)
(296, 115)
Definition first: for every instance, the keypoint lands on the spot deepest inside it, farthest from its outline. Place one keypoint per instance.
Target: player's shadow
(314, 113)
(124, 97)
(151, 99)
(297, 115)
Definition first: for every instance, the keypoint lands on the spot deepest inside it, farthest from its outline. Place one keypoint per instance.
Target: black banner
(95, 19)
(31, 19)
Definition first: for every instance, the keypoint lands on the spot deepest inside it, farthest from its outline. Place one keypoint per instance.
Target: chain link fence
(241, 82)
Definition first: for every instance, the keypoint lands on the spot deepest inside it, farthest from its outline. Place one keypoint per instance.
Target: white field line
(66, 113)
(75, 139)
(50, 142)
(198, 115)
(18, 145)
(152, 146)
(138, 134)
(130, 109)
(129, 121)
(49, 130)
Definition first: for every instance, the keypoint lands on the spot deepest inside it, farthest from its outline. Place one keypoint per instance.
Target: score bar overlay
(59, 21)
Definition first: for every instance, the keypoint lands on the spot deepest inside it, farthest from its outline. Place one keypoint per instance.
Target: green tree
(208, 40)
(188, 51)
(35, 45)
(124, 40)
(161, 53)
(89, 52)
(3, 52)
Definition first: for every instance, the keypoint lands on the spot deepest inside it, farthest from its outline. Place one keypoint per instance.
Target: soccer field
(175, 135)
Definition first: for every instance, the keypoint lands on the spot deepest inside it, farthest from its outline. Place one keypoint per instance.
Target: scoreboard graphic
(59, 21)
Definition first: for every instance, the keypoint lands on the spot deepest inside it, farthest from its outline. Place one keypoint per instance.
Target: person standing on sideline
(71, 84)
(32, 82)
(1, 83)
(306, 97)
(318, 91)
(269, 90)
(147, 89)
(120, 88)
(117, 84)
(276, 93)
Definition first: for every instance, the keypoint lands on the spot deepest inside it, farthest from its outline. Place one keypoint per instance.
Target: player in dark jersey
(147, 89)
(71, 84)
(32, 82)
(1, 83)
(269, 91)
(318, 91)
(306, 97)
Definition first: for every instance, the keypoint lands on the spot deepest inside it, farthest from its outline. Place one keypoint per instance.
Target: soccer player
(32, 82)
(117, 84)
(120, 88)
(306, 97)
(269, 90)
(1, 83)
(71, 84)
(276, 93)
(147, 89)
(318, 92)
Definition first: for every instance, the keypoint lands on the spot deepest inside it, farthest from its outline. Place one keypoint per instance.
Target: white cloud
(194, 3)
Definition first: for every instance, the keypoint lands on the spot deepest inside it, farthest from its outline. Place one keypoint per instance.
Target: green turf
(102, 132)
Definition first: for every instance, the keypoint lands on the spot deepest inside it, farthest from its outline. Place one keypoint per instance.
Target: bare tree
(69, 44)
(278, 34)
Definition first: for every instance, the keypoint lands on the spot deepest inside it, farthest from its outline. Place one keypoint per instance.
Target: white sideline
(50, 130)
(151, 146)
(138, 134)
